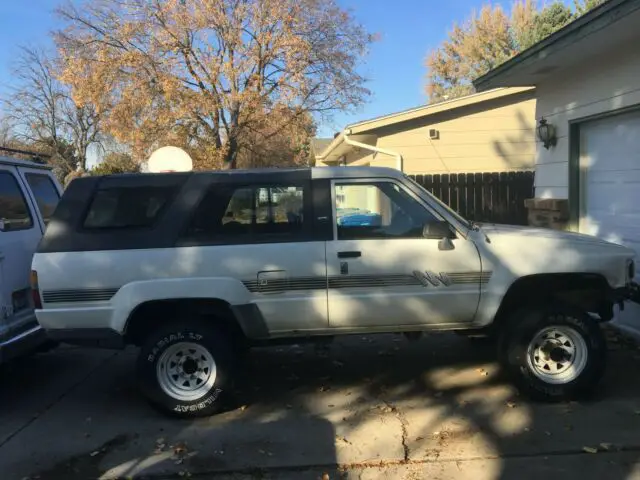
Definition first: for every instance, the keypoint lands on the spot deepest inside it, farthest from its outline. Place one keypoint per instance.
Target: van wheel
(186, 369)
(553, 353)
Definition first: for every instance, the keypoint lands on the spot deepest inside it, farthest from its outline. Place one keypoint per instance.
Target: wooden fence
(483, 197)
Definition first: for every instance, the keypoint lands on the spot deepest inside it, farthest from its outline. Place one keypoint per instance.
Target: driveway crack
(403, 426)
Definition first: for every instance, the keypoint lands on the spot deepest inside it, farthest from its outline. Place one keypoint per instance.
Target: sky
(408, 30)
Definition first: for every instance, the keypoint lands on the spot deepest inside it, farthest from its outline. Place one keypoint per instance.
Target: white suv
(195, 267)
(29, 194)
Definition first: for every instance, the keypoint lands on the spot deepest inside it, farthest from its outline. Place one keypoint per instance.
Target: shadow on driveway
(376, 404)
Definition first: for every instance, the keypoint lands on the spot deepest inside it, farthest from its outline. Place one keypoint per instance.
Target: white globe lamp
(169, 159)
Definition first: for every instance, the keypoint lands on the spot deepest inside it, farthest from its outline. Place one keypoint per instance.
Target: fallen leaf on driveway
(94, 453)
(325, 476)
(606, 446)
(179, 461)
(419, 438)
(331, 405)
(590, 449)
(511, 405)
(179, 449)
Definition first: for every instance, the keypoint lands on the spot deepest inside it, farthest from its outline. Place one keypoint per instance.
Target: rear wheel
(187, 369)
(553, 353)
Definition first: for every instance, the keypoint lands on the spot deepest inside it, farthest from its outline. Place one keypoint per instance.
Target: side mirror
(437, 230)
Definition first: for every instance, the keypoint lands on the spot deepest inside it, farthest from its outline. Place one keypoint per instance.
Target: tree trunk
(231, 156)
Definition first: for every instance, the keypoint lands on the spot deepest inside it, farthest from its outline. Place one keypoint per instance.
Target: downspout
(371, 148)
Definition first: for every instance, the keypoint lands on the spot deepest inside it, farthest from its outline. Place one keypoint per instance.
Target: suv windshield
(451, 212)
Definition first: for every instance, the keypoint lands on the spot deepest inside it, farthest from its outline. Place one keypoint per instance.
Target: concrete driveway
(373, 407)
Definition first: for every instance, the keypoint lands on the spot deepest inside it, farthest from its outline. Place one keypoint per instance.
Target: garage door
(610, 157)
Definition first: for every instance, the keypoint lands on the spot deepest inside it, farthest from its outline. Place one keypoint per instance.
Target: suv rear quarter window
(127, 207)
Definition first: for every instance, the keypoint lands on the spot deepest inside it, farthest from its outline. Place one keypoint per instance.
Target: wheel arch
(240, 322)
(587, 291)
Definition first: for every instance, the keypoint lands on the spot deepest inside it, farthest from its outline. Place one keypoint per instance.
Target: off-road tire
(521, 328)
(205, 335)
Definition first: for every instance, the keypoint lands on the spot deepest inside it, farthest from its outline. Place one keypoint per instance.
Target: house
(492, 131)
(587, 81)
(476, 152)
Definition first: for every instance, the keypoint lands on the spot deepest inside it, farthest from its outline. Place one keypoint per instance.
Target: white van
(29, 193)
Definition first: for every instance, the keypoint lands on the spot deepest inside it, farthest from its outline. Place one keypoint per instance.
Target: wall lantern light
(546, 133)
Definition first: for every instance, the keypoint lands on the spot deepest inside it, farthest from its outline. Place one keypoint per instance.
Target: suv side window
(248, 214)
(45, 193)
(14, 211)
(378, 210)
(127, 207)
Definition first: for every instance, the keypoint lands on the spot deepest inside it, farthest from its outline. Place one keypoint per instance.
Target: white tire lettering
(199, 406)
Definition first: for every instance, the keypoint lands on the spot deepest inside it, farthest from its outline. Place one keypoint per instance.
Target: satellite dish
(170, 159)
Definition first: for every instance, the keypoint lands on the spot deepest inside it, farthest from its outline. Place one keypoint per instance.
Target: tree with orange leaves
(218, 77)
(490, 37)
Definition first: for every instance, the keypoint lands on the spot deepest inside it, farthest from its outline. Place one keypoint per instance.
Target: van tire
(187, 369)
(553, 353)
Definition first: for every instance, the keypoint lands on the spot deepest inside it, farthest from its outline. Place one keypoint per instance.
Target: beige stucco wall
(605, 84)
(493, 136)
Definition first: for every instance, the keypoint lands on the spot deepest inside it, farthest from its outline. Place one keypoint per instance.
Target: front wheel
(186, 369)
(553, 353)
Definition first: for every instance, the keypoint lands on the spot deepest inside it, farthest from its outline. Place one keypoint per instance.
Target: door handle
(349, 254)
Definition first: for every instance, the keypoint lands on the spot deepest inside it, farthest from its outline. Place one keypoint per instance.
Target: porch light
(546, 133)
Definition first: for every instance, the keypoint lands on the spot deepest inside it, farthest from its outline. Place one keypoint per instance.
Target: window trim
(97, 230)
(373, 181)
(307, 234)
(24, 199)
(27, 175)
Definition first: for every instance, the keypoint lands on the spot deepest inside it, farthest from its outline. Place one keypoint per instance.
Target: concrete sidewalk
(374, 407)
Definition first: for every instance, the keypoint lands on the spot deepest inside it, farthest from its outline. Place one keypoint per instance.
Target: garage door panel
(615, 138)
(610, 157)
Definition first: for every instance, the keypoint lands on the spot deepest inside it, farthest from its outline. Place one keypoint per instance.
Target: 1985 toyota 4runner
(195, 267)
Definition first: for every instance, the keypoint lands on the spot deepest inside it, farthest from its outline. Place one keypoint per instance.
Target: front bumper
(23, 343)
(628, 293)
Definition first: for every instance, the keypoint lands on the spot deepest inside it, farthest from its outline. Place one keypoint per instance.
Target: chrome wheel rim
(186, 371)
(557, 355)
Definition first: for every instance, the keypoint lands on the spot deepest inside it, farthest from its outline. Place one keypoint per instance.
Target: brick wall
(548, 212)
